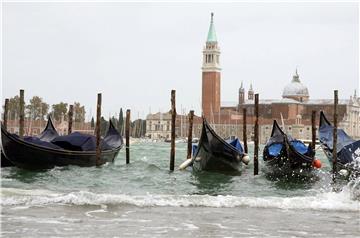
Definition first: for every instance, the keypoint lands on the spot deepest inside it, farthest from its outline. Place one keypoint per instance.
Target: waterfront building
(158, 126)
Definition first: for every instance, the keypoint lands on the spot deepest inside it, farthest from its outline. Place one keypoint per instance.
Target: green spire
(211, 35)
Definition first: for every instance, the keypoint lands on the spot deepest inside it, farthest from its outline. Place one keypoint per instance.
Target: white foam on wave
(322, 201)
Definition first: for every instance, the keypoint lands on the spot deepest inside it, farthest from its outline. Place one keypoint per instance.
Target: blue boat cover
(326, 137)
(276, 144)
(236, 143)
(275, 149)
(112, 139)
(347, 148)
(350, 152)
(194, 149)
(299, 146)
(83, 142)
(76, 141)
(38, 141)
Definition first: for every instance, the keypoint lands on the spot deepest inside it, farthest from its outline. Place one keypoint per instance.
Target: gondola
(285, 156)
(49, 149)
(348, 149)
(215, 154)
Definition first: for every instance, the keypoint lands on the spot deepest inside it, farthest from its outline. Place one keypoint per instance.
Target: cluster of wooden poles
(173, 118)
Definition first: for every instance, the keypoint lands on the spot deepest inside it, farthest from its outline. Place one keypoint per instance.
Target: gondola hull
(287, 166)
(31, 156)
(4, 161)
(210, 161)
(214, 154)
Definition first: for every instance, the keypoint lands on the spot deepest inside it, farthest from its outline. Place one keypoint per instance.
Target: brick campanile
(211, 74)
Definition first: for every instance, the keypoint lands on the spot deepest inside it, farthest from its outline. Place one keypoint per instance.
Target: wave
(322, 201)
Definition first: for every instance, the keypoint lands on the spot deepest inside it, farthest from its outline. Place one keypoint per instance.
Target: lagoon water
(144, 199)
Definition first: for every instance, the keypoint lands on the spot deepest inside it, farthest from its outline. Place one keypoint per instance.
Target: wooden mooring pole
(173, 117)
(313, 130)
(244, 131)
(127, 136)
(189, 144)
(335, 134)
(97, 130)
(6, 109)
(256, 136)
(70, 118)
(22, 116)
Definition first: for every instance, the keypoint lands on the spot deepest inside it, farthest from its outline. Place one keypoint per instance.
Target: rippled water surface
(144, 199)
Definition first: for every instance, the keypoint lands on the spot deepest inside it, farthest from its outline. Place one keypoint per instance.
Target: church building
(295, 107)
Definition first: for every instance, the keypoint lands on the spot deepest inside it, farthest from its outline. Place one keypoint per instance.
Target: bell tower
(251, 93)
(211, 74)
(241, 94)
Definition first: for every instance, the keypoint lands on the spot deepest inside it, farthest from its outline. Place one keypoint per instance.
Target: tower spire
(211, 34)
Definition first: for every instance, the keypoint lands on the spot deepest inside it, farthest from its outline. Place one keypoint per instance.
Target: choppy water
(144, 199)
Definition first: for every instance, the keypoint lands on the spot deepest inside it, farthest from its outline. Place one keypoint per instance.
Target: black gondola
(49, 149)
(285, 156)
(348, 149)
(215, 154)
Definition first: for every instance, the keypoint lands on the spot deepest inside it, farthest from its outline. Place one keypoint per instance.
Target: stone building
(158, 126)
(296, 108)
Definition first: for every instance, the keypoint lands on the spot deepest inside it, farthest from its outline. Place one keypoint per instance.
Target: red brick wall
(210, 93)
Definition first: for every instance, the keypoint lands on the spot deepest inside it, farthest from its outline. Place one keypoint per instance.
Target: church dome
(296, 90)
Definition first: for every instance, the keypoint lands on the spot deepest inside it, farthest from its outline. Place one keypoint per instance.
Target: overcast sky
(135, 53)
